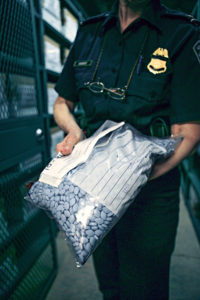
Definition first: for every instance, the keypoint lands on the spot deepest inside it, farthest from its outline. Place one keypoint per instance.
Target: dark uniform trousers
(132, 262)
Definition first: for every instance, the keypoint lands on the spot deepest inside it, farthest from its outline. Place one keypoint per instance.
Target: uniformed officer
(139, 63)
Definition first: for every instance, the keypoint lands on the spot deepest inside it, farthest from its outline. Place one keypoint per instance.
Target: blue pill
(62, 198)
(67, 213)
(60, 207)
(66, 187)
(94, 227)
(58, 214)
(72, 201)
(56, 199)
(99, 221)
(87, 247)
(93, 224)
(103, 215)
(97, 213)
(92, 240)
(98, 232)
(104, 226)
(71, 210)
(89, 232)
(63, 218)
(84, 240)
(105, 209)
(75, 208)
(48, 192)
(110, 214)
(71, 188)
(71, 219)
(66, 206)
(78, 234)
(84, 253)
(73, 229)
(76, 190)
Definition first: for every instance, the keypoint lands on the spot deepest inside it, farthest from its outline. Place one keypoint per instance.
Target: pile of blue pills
(83, 219)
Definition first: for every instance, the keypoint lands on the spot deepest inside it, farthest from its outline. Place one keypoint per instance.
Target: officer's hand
(67, 145)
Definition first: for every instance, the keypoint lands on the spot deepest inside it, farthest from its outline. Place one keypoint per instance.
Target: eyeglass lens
(114, 93)
(96, 87)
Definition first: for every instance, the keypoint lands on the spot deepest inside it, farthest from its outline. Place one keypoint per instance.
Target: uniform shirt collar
(151, 15)
(111, 17)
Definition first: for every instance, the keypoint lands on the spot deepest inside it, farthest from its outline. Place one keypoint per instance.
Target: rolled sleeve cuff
(185, 118)
(65, 94)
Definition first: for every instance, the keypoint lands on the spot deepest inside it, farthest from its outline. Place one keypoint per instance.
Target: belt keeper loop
(157, 125)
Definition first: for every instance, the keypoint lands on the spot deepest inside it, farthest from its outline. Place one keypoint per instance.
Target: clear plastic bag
(89, 191)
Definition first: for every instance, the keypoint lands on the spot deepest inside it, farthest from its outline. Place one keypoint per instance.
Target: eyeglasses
(114, 93)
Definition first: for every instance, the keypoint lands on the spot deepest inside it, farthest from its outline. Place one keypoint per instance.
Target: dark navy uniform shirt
(165, 83)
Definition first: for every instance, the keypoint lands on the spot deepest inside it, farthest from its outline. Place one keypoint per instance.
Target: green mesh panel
(27, 249)
(36, 278)
(25, 263)
(17, 68)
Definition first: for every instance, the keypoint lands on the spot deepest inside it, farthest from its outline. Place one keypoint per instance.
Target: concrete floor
(80, 284)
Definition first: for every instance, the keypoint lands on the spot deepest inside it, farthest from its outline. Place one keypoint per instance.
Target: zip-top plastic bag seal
(88, 191)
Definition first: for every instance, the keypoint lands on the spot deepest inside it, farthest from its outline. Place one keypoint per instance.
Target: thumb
(69, 144)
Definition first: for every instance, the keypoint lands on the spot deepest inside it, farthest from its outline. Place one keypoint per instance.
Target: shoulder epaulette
(181, 15)
(94, 19)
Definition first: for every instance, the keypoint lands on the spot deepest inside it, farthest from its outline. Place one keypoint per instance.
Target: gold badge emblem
(158, 63)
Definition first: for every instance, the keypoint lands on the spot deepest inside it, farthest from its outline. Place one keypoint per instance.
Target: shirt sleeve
(65, 85)
(185, 86)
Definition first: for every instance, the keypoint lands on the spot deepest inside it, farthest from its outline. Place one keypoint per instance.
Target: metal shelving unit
(56, 35)
(52, 76)
(190, 183)
(26, 261)
(28, 258)
(63, 43)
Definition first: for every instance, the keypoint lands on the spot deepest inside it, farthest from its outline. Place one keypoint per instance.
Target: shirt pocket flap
(82, 76)
(148, 88)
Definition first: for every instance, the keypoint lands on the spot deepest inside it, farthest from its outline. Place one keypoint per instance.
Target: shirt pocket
(82, 75)
(149, 88)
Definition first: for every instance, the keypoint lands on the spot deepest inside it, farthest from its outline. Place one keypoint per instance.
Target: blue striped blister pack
(88, 191)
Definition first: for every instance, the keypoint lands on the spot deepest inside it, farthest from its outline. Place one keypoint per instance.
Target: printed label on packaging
(60, 166)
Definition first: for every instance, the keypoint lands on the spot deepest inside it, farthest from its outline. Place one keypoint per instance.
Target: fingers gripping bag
(88, 191)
